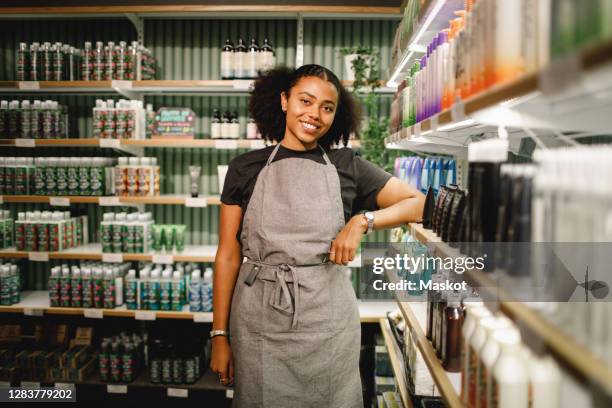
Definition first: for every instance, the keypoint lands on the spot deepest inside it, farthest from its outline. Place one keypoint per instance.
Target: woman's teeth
(309, 126)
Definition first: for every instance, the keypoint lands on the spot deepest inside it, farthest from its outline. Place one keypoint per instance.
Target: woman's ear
(284, 101)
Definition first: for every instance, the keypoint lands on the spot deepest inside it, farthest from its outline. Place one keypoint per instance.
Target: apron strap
(273, 154)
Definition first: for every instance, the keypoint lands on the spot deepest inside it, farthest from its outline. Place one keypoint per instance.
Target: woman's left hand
(343, 248)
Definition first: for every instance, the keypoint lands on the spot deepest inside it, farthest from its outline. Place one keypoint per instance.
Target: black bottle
(446, 210)
(438, 210)
(428, 209)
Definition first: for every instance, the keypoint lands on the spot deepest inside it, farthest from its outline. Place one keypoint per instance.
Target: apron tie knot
(280, 298)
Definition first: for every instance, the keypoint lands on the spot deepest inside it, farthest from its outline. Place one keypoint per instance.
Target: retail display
(122, 119)
(174, 361)
(121, 358)
(10, 283)
(33, 120)
(62, 62)
(49, 231)
(174, 123)
(225, 126)
(127, 233)
(423, 173)
(200, 291)
(242, 62)
(6, 229)
(137, 176)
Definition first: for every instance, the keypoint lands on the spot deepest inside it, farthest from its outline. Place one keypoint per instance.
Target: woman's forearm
(224, 281)
(400, 213)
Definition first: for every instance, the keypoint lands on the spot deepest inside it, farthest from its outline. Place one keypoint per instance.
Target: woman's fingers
(231, 372)
(333, 252)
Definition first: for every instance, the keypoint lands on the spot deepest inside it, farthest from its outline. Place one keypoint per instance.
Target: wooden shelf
(566, 350)
(119, 201)
(37, 303)
(397, 362)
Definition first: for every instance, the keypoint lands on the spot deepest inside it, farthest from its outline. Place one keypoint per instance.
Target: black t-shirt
(360, 180)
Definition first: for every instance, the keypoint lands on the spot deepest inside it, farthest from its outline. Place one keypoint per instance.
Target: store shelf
(397, 362)
(185, 200)
(573, 94)
(36, 303)
(128, 144)
(533, 326)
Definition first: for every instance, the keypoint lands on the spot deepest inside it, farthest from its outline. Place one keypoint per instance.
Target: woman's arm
(227, 265)
(399, 204)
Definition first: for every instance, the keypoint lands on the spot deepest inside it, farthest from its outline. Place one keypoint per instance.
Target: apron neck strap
(327, 161)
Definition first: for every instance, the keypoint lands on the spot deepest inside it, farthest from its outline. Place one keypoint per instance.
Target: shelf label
(112, 258)
(25, 142)
(178, 392)
(229, 394)
(116, 389)
(38, 256)
(144, 315)
(63, 386)
(196, 202)
(30, 85)
(162, 259)
(202, 317)
(30, 384)
(458, 111)
(59, 201)
(28, 311)
(433, 123)
(121, 84)
(5, 384)
(257, 144)
(110, 143)
(109, 201)
(93, 313)
(417, 129)
(243, 84)
(226, 144)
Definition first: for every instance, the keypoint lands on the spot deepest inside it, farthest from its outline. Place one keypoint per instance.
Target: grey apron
(294, 323)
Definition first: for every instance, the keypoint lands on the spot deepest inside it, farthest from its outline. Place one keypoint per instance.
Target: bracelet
(215, 333)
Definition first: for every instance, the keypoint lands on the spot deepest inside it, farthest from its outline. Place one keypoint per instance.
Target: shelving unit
(166, 199)
(534, 327)
(36, 303)
(397, 362)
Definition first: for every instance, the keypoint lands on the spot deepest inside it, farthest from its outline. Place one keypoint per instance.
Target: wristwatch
(215, 333)
(369, 216)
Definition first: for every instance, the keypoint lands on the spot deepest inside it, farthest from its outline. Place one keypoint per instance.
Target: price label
(162, 259)
(30, 384)
(226, 144)
(110, 143)
(202, 317)
(38, 256)
(229, 394)
(30, 85)
(433, 123)
(116, 389)
(59, 201)
(178, 392)
(93, 313)
(33, 312)
(243, 84)
(112, 258)
(196, 202)
(63, 386)
(121, 84)
(458, 111)
(417, 129)
(109, 201)
(144, 315)
(5, 384)
(25, 142)
(257, 144)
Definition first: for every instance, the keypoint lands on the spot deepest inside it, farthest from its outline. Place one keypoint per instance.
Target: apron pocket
(247, 302)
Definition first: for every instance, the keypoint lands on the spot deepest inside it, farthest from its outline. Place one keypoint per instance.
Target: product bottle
(87, 288)
(118, 282)
(165, 288)
(26, 120)
(451, 336)
(98, 288)
(128, 363)
(23, 62)
(215, 125)
(226, 128)
(104, 360)
(35, 62)
(544, 382)
(115, 361)
(54, 287)
(266, 55)
(234, 126)
(253, 59)
(155, 362)
(154, 290)
(65, 288)
(251, 129)
(144, 289)
(227, 60)
(206, 291)
(87, 62)
(110, 290)
(240, 60)
(475, 311)
(167, 353)
(77, 288)
(488, 356)
(47, 64)
(195, 304)
(177, 291)
(510, 388)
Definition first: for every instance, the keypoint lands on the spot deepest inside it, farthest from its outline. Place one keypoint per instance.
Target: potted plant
(358, 62)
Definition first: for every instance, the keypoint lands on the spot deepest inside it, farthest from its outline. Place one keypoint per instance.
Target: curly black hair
(265, 104)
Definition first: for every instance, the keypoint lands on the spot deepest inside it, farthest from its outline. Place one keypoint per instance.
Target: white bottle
(477, 341)
(474, 312)
(488, 356)
(227, 60)
(251, 129)
(510, 374)
(545, 380)
(234, 126)
(240, 60)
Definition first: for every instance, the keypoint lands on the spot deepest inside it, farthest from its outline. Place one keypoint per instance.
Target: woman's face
(311, 107)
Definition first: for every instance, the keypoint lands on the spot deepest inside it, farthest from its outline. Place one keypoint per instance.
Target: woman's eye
(305, 101)
(329, 109)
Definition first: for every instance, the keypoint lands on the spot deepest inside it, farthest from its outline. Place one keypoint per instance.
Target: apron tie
(280, 298)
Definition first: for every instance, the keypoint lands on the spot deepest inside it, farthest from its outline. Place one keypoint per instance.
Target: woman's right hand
(221, 360)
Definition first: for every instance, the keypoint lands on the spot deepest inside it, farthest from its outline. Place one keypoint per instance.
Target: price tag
(30, 85)
(112, 258)
(110, 143)
(30, 384)
(93, 313)
(116, 389)
(202, 317)
(226, 144)
(162, 259)
(257, 144)
(121, 84)
(144, 315)
(417, 129)
(63, 386)
(458, 111)
(25, 142)
(33, 312)
(178, 392)
(433, 123)
(38, 256)
(243, 84)
(59, 201)
(229, 394)
(196, 202)
(109, 201)
(5, 384)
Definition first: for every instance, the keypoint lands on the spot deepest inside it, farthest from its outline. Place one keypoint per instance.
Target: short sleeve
(233, 190)
(370, 179)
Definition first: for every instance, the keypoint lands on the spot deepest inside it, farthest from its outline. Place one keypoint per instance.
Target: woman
(293, 211)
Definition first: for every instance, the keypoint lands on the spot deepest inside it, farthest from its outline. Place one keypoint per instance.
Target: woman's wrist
(361, 222)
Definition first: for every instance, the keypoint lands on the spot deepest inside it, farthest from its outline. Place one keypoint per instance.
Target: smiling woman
(294, 212)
